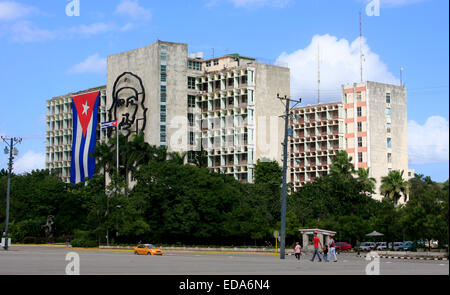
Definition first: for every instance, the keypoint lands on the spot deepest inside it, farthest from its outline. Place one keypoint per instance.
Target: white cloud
(25, 31)
(92, 64)
(428, 143)
(92, 29)
(10, 10)
(252, 3)
(340, 64)
(132, 9)
(29, 161)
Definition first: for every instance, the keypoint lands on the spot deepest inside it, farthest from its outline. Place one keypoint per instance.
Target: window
(389, 143)
(359, 126)
(163, 97)
(163, 69)
(360, 142)
(359, 111)
(208, 63)
(163, 89)
(162, 128)
(163, 108)
(388, 112)
(163, 56)
(163, 118)
(388, 98)
(191, 101)
(191, 138)
(216, 62)
(163, 77)
(360, 157)
(358, 96)
(345, 98)
(163, 47)
(162, 138)
(230, 100)
(388, 129)
(194, 65)
(191, 119)
(191, 83)
(389, 158)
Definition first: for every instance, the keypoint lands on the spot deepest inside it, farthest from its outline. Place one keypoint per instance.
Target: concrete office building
(59, 131)
(226, 106)
(370, 123)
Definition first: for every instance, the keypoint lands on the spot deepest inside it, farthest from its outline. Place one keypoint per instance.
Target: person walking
(332, 249)
(298, 250)
(316, 242)
(325, 253)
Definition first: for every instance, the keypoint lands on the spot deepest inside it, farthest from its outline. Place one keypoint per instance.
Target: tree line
(168, 201)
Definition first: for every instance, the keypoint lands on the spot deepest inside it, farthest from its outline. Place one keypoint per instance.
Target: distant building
(226, 106)
(369, 123)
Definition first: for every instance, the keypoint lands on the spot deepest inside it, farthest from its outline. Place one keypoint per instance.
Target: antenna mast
(318, 73)
(360, 46)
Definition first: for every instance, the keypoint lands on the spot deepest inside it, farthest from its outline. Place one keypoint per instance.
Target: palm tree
(368, 183)
(393, 186)
(177, 157)
(342, 165)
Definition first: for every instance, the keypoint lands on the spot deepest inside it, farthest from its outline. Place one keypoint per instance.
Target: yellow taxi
(147, 249)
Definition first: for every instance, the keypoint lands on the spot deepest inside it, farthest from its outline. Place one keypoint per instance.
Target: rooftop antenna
(318, 73)
(360, 46)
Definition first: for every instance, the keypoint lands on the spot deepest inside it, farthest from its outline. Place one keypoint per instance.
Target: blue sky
(45, 53)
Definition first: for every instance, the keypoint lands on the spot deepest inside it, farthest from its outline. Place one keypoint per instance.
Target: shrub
(83, 243)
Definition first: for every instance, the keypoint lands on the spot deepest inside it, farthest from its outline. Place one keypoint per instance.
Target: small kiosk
(307, 233)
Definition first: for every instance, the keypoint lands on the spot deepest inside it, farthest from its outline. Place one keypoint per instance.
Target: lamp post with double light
(12, 151)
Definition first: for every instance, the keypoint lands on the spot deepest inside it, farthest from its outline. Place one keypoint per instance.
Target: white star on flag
(85, 108)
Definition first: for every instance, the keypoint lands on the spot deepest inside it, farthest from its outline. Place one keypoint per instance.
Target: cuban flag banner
(110, 124)
(85, 109)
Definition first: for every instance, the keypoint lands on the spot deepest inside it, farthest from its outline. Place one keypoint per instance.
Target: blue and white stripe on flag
(85, 110)
(110, 124)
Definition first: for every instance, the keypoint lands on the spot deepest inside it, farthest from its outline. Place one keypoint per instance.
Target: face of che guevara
(128, 103)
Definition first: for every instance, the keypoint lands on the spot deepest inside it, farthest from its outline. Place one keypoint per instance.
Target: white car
(397, 246)
(367, 246)
(381, 246)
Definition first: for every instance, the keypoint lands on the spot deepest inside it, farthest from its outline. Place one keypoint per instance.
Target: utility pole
(401, 78)
(12, 152)
(284, 186)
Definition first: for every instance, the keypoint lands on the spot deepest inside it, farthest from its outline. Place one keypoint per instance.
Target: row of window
(163, 97)
(208, 63)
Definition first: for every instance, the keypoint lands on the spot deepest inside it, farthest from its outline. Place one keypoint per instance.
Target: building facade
(59, 131)
(370, 124)
(226, 107)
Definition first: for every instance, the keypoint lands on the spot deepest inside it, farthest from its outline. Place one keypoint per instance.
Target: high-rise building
(59, 131)
(226, 106)
(370, 124)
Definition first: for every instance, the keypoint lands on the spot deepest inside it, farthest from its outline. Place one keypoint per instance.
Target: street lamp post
(12, 152)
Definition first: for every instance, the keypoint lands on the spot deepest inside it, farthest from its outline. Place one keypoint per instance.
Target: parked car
(342, 247)
(407, 246)
(426, 244)
(381, 246)
(397, 246)
(367, 246)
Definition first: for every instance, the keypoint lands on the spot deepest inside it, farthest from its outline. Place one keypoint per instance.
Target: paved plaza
(43, 260)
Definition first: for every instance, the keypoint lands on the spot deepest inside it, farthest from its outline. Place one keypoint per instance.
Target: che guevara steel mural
(128, 104)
